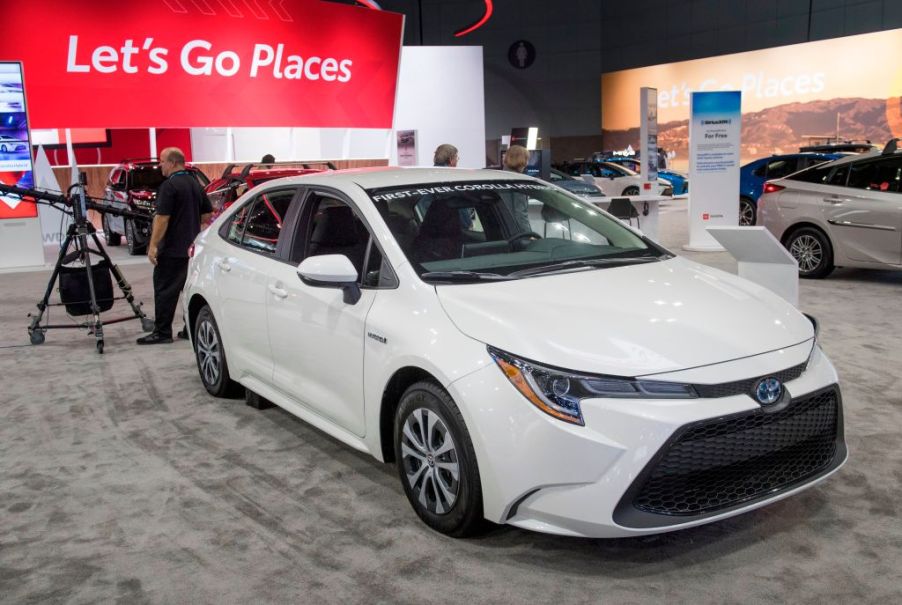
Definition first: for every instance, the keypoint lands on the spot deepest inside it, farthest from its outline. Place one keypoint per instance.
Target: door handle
(224, 265)
(834, 200)
(278, 292)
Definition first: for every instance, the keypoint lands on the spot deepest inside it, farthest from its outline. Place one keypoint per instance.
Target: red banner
(181, 63)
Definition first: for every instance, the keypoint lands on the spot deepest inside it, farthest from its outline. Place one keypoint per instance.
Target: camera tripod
(77, 238)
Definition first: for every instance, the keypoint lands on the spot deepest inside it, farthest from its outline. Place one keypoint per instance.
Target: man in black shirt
(182, 207)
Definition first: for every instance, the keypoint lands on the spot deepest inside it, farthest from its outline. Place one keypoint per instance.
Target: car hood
(627, 321)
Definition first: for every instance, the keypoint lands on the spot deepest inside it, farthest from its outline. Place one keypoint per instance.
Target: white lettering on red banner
(291, 63)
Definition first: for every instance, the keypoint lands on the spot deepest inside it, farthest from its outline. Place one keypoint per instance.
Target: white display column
(648, 140)
(714, 137)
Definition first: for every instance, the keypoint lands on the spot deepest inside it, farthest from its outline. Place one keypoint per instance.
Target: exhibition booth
(569, 347)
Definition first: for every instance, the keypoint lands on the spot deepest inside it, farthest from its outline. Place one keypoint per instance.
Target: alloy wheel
(807, 250)
(209, 356)
(430, 461)
(746, 214)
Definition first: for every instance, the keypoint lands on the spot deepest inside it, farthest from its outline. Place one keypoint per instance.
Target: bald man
(182, 207)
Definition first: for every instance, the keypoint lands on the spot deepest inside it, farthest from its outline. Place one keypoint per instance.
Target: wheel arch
(391, 397)
(196, 303)
(803, 225)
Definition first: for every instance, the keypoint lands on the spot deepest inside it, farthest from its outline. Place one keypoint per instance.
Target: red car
(132, 185)
(236, 180)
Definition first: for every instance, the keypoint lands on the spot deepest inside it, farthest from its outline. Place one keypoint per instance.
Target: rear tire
(748, 212)
(812, 249)
(436, 461)
(211, 358)
(631, 190)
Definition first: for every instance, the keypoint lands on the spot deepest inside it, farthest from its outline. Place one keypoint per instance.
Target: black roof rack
(228, 171)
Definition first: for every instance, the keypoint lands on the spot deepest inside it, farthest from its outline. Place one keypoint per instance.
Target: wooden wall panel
(97, 175)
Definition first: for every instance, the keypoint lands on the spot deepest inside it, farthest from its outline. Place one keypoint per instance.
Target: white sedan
(569, 376)
(615, 180)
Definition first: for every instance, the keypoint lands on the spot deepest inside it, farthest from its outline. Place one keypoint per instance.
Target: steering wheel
(532, 235)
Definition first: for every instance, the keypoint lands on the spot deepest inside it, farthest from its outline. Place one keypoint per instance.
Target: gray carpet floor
(122, 481)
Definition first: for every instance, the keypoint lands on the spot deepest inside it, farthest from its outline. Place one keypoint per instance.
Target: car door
(865, 216)
(242, 279)
(608, 180)
(317, 339)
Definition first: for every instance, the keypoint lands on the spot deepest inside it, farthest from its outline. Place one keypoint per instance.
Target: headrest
(335, 226)
(441, 220)
(552, 215)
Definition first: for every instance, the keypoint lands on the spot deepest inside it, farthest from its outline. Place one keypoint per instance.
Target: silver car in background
(844, 213)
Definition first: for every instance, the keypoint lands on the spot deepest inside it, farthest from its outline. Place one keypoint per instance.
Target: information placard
(648, 137)
(714, 138)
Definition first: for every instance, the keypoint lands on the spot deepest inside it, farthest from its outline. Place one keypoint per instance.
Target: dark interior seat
(337, 232)
(441, 235)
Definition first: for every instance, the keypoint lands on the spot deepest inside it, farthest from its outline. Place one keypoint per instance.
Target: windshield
(145, 177)
(502, 229)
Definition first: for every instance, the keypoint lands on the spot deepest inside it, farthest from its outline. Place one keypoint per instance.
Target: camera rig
(76, 204)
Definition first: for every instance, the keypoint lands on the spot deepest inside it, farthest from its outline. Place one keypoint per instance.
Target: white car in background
(845, 213)
(615, 180)
(571, 377)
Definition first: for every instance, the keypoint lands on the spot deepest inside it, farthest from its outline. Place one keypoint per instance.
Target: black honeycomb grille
(746, 387)
(718, 464)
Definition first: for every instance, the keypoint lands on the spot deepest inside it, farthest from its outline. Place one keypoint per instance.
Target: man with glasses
(182, 207)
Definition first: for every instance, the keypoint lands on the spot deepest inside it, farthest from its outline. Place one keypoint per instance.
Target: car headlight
(558, 393)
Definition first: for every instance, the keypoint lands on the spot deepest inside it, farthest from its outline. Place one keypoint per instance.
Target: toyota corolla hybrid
(552, 370)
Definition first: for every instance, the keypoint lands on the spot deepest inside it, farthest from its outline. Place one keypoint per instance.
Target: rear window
(818, 174)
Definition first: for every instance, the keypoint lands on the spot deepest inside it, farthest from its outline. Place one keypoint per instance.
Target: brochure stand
(762, 259)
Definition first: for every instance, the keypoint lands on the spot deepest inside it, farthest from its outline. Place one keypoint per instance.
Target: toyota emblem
(768, 391)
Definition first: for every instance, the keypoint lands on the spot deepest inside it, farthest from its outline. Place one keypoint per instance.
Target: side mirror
(331, 271)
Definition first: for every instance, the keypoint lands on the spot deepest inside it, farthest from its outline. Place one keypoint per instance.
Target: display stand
(762, 259)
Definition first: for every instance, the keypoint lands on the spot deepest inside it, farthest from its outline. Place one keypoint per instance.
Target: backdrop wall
(440, 95)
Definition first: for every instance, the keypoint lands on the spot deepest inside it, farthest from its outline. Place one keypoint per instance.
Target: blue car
(753, 175)
(679, 182)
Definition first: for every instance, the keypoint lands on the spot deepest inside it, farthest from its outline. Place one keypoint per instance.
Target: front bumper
(545, 475)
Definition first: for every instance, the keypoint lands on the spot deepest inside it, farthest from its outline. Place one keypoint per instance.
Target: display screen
(792, 96)
(15, 149)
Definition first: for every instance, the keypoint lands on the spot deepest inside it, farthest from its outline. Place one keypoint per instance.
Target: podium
(762, 259)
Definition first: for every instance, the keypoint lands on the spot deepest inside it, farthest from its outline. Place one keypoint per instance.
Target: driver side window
(332, 226)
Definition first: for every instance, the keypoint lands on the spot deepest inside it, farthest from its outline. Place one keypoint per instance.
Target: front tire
(211, 358)
(112, 239)
(131, 235)
(436, 461)
(812, 249)
(748, 213)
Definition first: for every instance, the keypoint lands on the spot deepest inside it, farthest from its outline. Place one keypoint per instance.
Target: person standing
(515, 160)
(182, 207)
(445, 155)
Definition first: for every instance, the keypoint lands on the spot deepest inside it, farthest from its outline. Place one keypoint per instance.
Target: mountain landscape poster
(791, 96)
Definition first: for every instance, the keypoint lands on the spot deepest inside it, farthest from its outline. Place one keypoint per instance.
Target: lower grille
(717, 464)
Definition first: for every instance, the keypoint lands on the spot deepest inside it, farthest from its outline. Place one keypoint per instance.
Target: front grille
(716, 464)
(747, 386)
